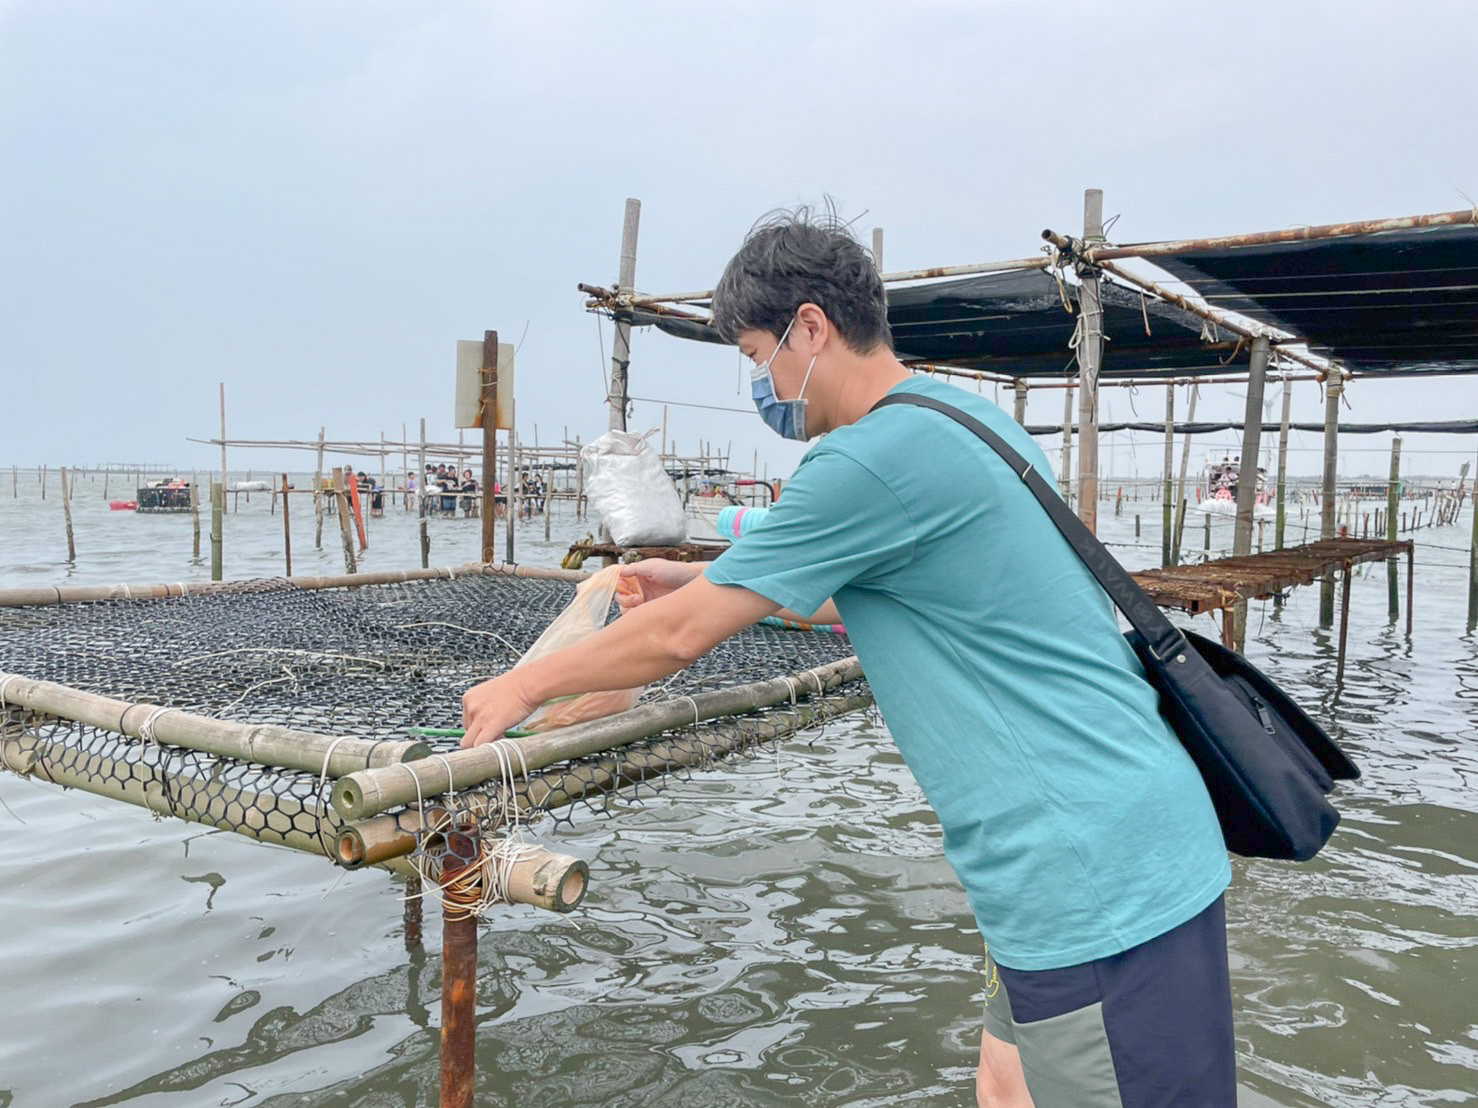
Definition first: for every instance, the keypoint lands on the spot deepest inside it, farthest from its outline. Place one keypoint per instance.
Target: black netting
(370, 662)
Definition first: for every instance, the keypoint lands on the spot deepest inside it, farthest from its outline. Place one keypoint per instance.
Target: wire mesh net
(370, 662)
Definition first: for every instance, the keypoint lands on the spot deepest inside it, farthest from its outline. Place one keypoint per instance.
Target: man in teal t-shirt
(1078, 826)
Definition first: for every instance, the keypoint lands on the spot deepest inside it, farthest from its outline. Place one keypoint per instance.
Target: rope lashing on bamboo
(161, 766)
(328, 848)
(479, 882)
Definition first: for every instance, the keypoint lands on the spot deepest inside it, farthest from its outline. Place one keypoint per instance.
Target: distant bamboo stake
(105, 484)
(318, 496)
(217, 510)
(195, 518)
(341, 506)
(287, 533)
(67, 512)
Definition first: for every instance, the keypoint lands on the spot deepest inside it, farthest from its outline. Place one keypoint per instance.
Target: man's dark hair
(801, 256)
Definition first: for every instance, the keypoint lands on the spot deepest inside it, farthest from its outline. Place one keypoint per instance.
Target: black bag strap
(1162, 637)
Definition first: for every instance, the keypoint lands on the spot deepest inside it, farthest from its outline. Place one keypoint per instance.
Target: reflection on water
(760, 934)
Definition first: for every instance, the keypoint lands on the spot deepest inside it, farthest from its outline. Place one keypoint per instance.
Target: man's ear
(812, 327)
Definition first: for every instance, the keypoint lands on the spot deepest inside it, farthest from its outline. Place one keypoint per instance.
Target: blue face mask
(786, 418)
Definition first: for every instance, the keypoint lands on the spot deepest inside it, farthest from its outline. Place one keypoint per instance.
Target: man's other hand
(492, 707)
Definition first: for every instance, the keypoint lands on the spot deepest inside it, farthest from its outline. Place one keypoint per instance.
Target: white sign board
(468, 399)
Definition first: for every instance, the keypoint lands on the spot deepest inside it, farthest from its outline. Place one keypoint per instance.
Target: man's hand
(492, 707)
(653, 578)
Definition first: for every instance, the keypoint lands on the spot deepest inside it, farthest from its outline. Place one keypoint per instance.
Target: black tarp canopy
(1389, 302)
(1016, 324)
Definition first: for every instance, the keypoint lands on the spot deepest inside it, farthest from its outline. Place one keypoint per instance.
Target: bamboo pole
(106, 475)
(1185, 464)
(1282, 516)
(1247, 474)
(1472, 571)
(341, 509)
(67, 513)
(1333, 389)
(363, 795)
(217, 510)
(265, 744)
(318, 496)
(1166, 509)
(1090, 358)
(1393, 498)
(225, 478)
(489, 450)
(1066, 478)
(510, 491)
(138, 782)
(621, 346)
(539, 877)
(381, 838)
(287, 534)
(194, 513)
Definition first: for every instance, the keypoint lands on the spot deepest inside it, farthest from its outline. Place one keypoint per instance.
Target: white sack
(636, 499)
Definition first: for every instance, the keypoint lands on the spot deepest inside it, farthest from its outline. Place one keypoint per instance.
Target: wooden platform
(687, 552)
(1218, 585)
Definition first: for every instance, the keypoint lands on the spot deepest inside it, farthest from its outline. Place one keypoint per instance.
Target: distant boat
(171, 496)
(703, 508)
(1223, 478)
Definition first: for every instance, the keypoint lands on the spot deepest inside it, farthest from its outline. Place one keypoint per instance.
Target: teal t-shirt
(1075, 820)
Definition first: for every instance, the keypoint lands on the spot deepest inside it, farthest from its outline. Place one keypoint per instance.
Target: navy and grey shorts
(1148, 1028)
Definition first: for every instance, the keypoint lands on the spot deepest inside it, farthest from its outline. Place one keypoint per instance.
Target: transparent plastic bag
(582, 617)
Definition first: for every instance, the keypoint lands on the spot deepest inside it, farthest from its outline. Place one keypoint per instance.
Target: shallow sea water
(775, 931)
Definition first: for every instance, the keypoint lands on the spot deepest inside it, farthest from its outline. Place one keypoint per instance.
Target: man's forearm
(636, 649)
(647, 643)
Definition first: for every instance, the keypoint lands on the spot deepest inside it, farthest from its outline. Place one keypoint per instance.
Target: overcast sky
(312, 200)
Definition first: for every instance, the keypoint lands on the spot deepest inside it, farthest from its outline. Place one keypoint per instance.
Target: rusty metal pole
(489, 443)
(458, 1006)
(1257, 367)
(413, 912)
(1090, 358)
(1333, 389)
